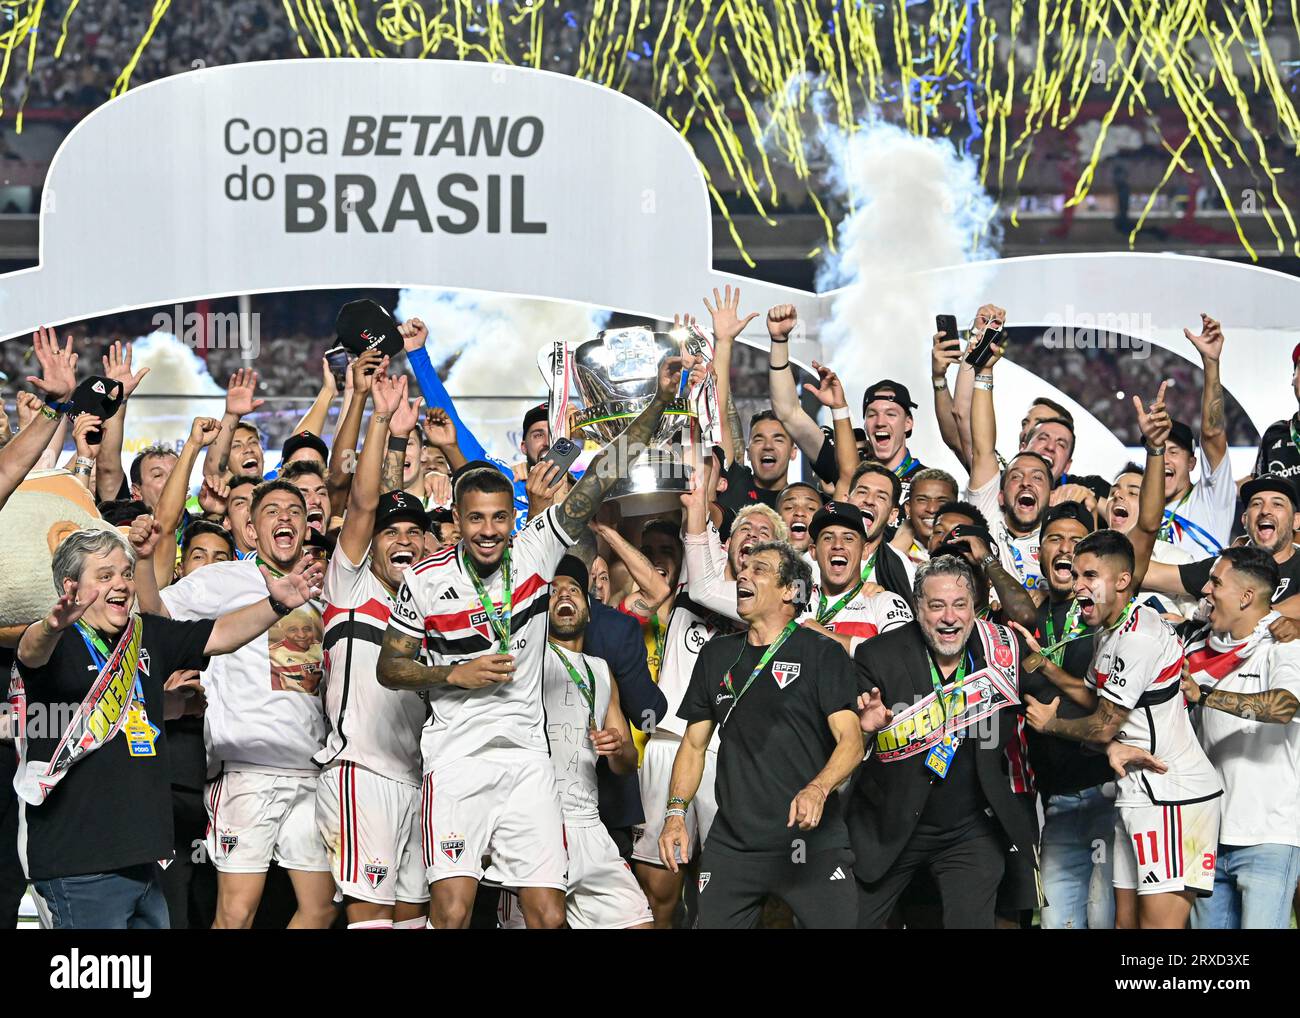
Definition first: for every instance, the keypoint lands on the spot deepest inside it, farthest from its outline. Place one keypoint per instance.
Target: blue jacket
(617, 638)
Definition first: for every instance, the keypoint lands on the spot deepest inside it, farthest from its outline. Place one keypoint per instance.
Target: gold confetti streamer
(758, 81)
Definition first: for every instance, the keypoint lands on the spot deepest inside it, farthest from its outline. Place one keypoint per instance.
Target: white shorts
(602, 894)
(1159, 849)
(254, 817)
(502, 804)
(656, 777)
(374, 840)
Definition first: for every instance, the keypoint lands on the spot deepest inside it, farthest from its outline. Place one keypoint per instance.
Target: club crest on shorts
(704, 881)
(452, 847)
(785, 672)
(375, 873)
(227, 842)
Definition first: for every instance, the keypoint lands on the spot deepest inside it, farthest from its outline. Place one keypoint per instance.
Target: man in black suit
(934, 793)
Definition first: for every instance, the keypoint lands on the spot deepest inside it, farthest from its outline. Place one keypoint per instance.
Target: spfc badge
(785, 672)
(227, 843)
(478, 621)
(452, 847)
(704, 881)
(375, 873)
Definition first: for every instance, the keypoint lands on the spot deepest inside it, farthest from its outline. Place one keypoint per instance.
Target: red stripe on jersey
(376, 609)
(849, 628)
(460, 620)
(440, 558)
(1173, 671)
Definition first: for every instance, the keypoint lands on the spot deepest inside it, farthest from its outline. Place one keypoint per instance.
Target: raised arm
(652, 589)
(983, 423)
(440, 432)
(171, 503)
(1214, 435)
(59, 378)
(611, 463)
(240, 401)
(943, 354)
(405, 419)
(363, 496)
(414, 335)
(1155, 424)
(725, 330)
(343, 453)
(806, 432)
(318, 414)
(109, 477)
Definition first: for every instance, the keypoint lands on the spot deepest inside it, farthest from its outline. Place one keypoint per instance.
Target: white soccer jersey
(1019, 555)
(567, 719)
(264, 709)
(690, 627)
(1138, 665)
(863, 617)
(437, 603)
(377, 728)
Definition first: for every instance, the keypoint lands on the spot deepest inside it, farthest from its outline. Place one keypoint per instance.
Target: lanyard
(1129, 609)
(758, 668)
(99, 653)
(824, 614)
(498, 618)
(660, 635)
(1073, 631)
(270, 568)
(937, 681)
(587, 689)
(909, 461)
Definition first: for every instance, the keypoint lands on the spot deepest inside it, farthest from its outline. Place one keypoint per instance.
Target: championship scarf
(1214, 657)
(101, 715)
(973, 701)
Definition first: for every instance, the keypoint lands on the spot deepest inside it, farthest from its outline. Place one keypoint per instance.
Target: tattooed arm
(1272, 706)
(1214, 436)
(1100, 726)
(610, 464)
(399, 669)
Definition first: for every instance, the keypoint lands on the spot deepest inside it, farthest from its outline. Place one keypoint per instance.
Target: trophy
(616, 375)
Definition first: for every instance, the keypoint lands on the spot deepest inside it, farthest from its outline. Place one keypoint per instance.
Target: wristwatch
(1206, 689)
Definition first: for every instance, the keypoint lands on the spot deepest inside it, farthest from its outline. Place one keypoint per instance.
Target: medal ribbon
(498, 618)
(1073, 631)
(824, 614)
(587, 689)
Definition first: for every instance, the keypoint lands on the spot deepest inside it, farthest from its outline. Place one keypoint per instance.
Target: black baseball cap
(1067, 511)
(364, 325)
(96, 395)
(837, 514)
(1268, 482)
(1181, 435)
(400, 505)
(534, 415)
(576, 570)
(304, 440)
(888, 389)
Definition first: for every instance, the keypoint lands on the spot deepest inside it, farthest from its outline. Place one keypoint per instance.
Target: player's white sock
(418, 923)
(372, 924)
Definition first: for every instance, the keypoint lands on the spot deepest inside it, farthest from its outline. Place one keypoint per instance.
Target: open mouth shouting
(947, 633)
(565, 610)
(400, 558)
(1027, 501)
(284, 537)
(1119, 515)
(1087, 608)
(881, 438)
(767, 461)
(744, 594)
(1061, 570)
(118, 604)
(745, 548)
(798, 530)
(249, 465)
(1266, 527)
(868, 517)
(316, 519)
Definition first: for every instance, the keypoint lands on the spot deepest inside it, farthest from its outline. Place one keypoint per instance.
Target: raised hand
(407, 414)
(1154, 421)
(727, 323)
(545, 482)
(117, 366)
(81, 427)
(781, 321)
(943, 354)
(328, 383)
(364, 369)
(67, 609)
(437, 488)
(828, 390)
(27, 406)
(296, 587)
(144, 535)
(988, 315)
(204, 431)
(873, 715)
(388, 393)
(240, 391)
(439, 428)
(670, 374)
(58, 366)
(1209, 341)
(414, 334)
(213, 496)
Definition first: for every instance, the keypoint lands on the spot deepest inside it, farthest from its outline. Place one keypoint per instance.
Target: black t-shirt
(1277, 452)
(1061, 766)
(110, 810)
(742, 490)
(777, 739)
(827, 468)
(1195, 575)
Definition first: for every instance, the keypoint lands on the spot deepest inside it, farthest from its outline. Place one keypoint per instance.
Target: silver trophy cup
(617, 374)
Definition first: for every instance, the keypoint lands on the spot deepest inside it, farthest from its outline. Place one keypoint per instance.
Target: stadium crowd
(426, 689)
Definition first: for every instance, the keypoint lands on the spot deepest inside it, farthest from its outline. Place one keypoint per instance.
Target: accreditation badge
(140, 734)
(939, 759)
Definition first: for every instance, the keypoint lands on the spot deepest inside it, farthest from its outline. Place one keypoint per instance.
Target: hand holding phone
(980, 354)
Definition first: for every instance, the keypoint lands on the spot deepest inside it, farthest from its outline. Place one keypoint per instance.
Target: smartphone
(978, 355)
(946, 325)
(563, 452)
(337, 359)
